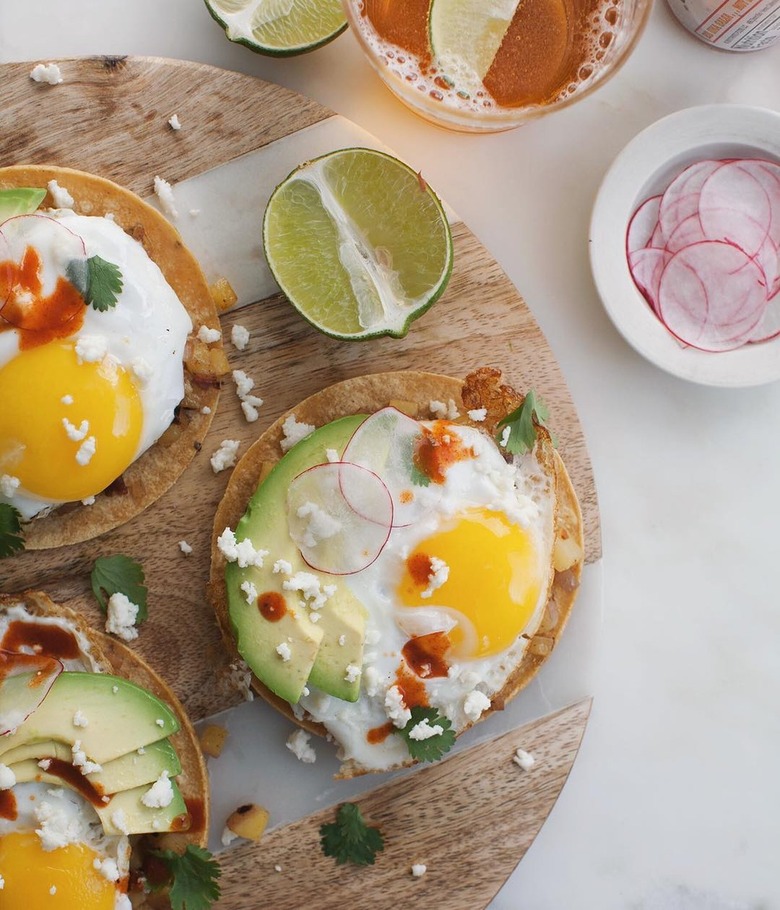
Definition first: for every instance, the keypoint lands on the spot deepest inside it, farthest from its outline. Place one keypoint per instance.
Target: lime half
(466, 35)
(359, 243)
(279, 28)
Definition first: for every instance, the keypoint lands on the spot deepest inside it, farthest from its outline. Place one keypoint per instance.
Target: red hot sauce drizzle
(8, 808)
(272, 606)
(41, 638)
(426, 655)
(438, 449)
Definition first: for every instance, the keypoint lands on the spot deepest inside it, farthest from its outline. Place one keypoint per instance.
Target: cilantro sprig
(119, 575)
(349, 839)
(434, 747)
(522, 423)
(98, 281)
(194, 881)
(417, 476)
(11, 536)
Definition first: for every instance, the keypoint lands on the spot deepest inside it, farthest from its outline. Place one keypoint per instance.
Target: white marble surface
(673, 802)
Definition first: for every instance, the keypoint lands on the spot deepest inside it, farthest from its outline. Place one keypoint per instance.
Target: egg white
(148, 325)
(522, 492)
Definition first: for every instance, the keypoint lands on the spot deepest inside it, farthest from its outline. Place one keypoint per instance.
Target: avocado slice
(138, 818)
(125, 716)
(315, 652)
(37, 749)
(19, 201)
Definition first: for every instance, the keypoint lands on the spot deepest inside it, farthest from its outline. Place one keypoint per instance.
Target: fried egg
(454, 595)
(85, 391)
(54, 853)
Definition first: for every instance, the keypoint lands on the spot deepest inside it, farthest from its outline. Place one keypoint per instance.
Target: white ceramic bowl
(645, 167)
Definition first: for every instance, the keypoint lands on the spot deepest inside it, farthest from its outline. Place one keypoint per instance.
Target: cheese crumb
(298, 744)
(239, 335)
(475, 704)
(67, 399)
(86, 450)
(121, 616)
(73, 432)
(225, 455)
(89, 501)
(478, 414)
(283, 650)
(205, 410)
(174, 123)
(320, 525)
(2, 883)
(8, 485)
(309, 585)
(444, 411)
(7, 777)
(46, 72)
(438, 575)
(119, 821)
(160, 794)
(79, 720)
(164, 192)
(281, 565)
(207, 335)
(504, 437)
(395, 707)
(108, 868)
(62, 198)
(228, 836)
(352, 674)
(424, 730)
(524, 759)
(419, 869)
(160, 722)
(79, 759)
(91, 348)
(242, 552)
(142, 370)
(185, 548)
(277, 868)
(53, 890)
(294, 432)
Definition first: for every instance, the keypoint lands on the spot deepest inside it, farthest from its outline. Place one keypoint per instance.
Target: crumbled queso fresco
(225, 455)
(298, 744)
(164, 192)
(294, 432)
(121, 616)
(49, 73)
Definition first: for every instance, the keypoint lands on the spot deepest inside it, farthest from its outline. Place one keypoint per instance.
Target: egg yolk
(67, 428)
(493, 580)
(31, 874)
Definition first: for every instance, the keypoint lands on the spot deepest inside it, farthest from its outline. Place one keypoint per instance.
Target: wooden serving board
(109, 117)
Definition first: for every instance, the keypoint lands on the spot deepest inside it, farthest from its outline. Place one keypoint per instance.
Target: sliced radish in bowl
(340, 516)
(25, 680)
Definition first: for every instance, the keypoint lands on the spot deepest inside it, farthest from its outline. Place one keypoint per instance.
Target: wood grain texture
(469, 819)
(109, 117)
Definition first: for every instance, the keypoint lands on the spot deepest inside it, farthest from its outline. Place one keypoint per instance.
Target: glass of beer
(489, 65)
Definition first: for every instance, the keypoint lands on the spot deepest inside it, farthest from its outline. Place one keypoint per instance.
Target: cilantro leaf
(119, 575)
(99, 282)
(522, 423)
(350, 839)
(194, 877)
(11, 537)
(434, 747)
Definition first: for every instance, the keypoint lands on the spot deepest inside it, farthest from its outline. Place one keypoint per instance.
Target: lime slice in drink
(279, 28)
(465, 37)
(359, 243)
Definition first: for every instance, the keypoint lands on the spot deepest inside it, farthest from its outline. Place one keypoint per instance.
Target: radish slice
(385, 443)
(712, 296)
(643, 223)
(685, 233)
(647, 266)
(25, 680)
(735, 208)
(57, 247)
(333, 536)
(681, 198)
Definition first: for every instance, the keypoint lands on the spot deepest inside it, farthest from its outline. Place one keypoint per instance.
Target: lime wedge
(359, 243)
(465, 37)
(279, 28)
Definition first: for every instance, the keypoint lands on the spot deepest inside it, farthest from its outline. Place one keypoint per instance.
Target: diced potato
(248, 821)
(212, 740)
(204, 361)
(223, 295)
(566, 552)
(405, 407)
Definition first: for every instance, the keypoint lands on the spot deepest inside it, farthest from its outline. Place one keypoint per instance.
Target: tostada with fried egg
(102, 784)
(110, 354)
(395, 558)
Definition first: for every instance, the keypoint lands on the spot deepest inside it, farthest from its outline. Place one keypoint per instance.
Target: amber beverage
(542, 55)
